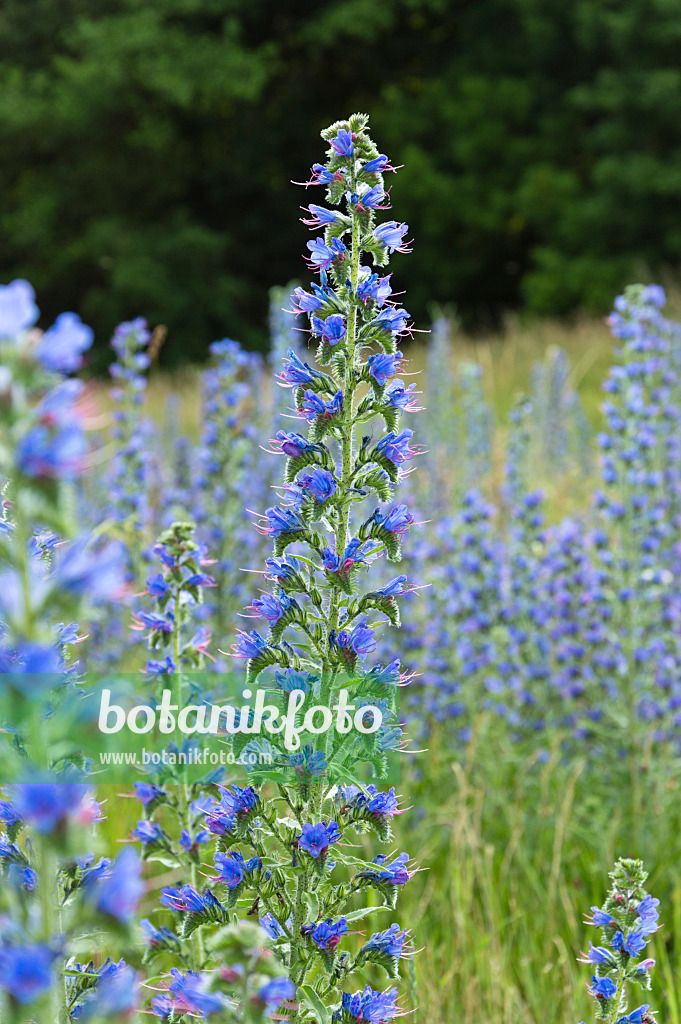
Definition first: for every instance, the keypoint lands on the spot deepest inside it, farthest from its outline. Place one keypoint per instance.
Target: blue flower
(316, 839)
(395, 873)
(231, 869)
(249, 645)
(383, 365)
(319, 482)
(390, 235)
(18, 310)
(61, 347)
(271, 926)
(46, 806)
(154, 667)
(369, 1005)
(600, 918)
(310, 760)
(378, 164)
(343, 143)
(275, 992)
(282, 520)
(647, 910)
(636, 1016)
(327, 934)
(8, 815)
(332, 329)
(158, 936)
(322, 255)
(391, 319)
(304, 301)
(289, 679)
(45, 454)
(294, 445)
(272, 607)
(398, 519)
(396, 447)
(296, 372)
(147, 832)
(157, 586)
(388, 943)
(185, 898)
(26, 972)
(603, 988)
(119, 892)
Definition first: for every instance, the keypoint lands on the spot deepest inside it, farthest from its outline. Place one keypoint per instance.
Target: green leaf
(313, 1001)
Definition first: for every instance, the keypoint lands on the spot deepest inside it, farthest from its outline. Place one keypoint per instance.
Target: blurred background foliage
(146, 151)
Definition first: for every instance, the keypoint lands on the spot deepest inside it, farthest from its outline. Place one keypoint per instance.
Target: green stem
(184, 794)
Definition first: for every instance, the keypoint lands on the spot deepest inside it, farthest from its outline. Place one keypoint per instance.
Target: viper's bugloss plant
(285, 854)
(53, 895)
(620, 966)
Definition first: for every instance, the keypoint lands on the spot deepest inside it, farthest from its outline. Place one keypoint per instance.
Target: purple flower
(282, 520)
(398, 519)
(602, 988)
(8, 815)
(393, 320)
(293, 445)
(249, 645)
(230, 868)
(327, 934)
(157, 668)
(61, 347)
(343, 143)
(316, 839)
(26, 971)
(599, 918)
(321, 255)
(157, 586)
(332, 329)
(383, 366)
(390, 235)
(272, 607)
(147, 832)
(372, 1006)
(47, 454)
(18, 310)
(184, 899)
(320, 483)
(395, 447)
(378, 164)
(648, 912)
(275, 992)
(304, 302)
(147, 792)
(296, 372)
(387, 943)
(320, 216)
(119, 892)
(45, 806)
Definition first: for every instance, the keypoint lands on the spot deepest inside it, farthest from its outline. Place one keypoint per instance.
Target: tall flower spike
(627, 919)
(318, 625)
